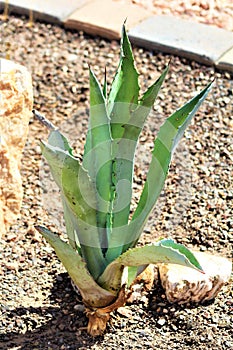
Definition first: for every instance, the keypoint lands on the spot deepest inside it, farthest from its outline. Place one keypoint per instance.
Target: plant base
(98, 317)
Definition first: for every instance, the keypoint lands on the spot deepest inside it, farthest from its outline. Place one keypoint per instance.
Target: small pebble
(161, 321)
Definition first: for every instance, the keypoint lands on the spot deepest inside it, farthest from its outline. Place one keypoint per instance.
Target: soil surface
(39, 309)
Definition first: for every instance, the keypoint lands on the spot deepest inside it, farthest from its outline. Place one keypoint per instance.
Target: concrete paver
(105, 18)
(225, 62)
(203, 43)
(48, 10)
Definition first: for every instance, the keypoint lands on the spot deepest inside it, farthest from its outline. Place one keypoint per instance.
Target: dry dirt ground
(39, 309)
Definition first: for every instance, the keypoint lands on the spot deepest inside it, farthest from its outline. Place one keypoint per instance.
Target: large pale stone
(183, 284)
(16, 101)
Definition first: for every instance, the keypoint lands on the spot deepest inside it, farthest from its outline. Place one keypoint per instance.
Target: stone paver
(203, 43)
(105, 18)
(47, 10)
(225, 62)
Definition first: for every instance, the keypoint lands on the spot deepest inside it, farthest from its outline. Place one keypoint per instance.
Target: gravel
(214, 12)
(39, 308)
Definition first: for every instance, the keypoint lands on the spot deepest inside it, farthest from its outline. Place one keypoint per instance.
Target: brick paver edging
(203, 43)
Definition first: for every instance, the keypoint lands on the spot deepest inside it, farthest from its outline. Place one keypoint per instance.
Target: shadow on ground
(61, 326)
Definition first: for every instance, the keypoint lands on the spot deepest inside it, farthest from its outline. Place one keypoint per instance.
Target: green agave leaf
(123, 93)
(164, 251)
(125, 162)
(105, 86)
(98, 161)
(71, 226)
(125, 88)
(62, 166)
(56, 139)
(79, 197)
(56, 165)
(169, 135)
(91, 292)
(132, 274)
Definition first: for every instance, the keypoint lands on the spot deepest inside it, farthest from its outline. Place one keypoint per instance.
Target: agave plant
(100, 255)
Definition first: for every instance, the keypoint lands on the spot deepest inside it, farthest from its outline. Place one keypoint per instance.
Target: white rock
(161, 321)
(183, 284)
(16, 101)
(79, 307)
